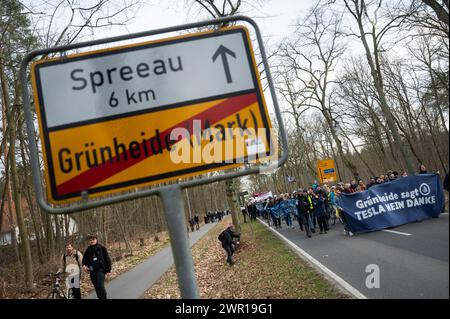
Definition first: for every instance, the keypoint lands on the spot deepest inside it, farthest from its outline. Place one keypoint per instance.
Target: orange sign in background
(326, 171)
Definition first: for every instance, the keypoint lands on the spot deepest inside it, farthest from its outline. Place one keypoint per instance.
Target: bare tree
(312, 57)
(368, 28)
(23, 29)
(440, 8)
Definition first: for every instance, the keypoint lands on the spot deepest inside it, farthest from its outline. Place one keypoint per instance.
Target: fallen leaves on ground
(264, 268)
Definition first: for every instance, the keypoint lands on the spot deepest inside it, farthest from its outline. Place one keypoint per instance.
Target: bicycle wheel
(60, 295)
(56, 295)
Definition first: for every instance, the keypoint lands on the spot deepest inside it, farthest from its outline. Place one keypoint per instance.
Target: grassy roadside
(264, 268)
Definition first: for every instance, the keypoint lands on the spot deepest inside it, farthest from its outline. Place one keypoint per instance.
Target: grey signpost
(179, 241)
(171, 195)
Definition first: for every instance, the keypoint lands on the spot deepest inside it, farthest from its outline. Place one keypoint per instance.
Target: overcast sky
(274, 17)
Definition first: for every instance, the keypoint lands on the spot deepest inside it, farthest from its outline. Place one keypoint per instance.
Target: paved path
(135, 282)
(413, 259)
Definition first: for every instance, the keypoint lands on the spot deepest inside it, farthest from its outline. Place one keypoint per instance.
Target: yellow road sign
(130, 116)
(326, 171)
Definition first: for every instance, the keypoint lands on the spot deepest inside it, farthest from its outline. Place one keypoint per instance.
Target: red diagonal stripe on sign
(100, 173)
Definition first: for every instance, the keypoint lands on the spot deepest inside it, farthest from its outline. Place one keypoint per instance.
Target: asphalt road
(135, 282)
(412, 258)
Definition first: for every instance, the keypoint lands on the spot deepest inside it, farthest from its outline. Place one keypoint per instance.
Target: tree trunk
(122, 231)
(104, 227)
(440, 11)
(233, 203)
(377, 77)
(360, 156)
(430, 126)
(56, 219)
(23, 231)
(49, 236)
(344, 158)
(27, 181)
(436, 97)
(6, 120)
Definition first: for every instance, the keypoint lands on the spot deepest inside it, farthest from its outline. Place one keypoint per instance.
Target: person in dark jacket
(226, 237)
(191, 223)
(252, 211)
(244, 213)
(303, 212)
(447, 188)
(422, 169)
(312, 215)
(97, 262)
(197, 222)
(320, 211)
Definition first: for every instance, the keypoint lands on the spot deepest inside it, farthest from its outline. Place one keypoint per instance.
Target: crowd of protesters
(216, 216)
(317, 204)
(209, 217)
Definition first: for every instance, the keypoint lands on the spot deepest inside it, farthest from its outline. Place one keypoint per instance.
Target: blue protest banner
(395, 203)
(288, 206)
(283, 208)
(259, 207)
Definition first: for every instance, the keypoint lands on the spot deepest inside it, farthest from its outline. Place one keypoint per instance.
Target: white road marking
(396, 232)
(352, 290)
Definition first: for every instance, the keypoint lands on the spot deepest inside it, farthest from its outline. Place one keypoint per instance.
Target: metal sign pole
(175, 218)
(188, 202)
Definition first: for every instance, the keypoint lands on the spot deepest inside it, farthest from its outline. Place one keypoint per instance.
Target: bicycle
(334, 216)
(57, 292)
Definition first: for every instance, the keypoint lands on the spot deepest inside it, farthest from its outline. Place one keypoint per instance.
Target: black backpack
(221, 235)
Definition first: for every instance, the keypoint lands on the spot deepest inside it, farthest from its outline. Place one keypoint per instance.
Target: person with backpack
(226, 238)
(97, 262)
(71, 265)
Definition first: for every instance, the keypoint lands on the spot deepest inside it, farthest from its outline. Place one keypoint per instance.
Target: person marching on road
(320, 211)
(311, 215)
(303, 212)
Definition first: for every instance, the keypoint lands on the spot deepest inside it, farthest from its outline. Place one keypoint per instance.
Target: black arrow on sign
(223, 51)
